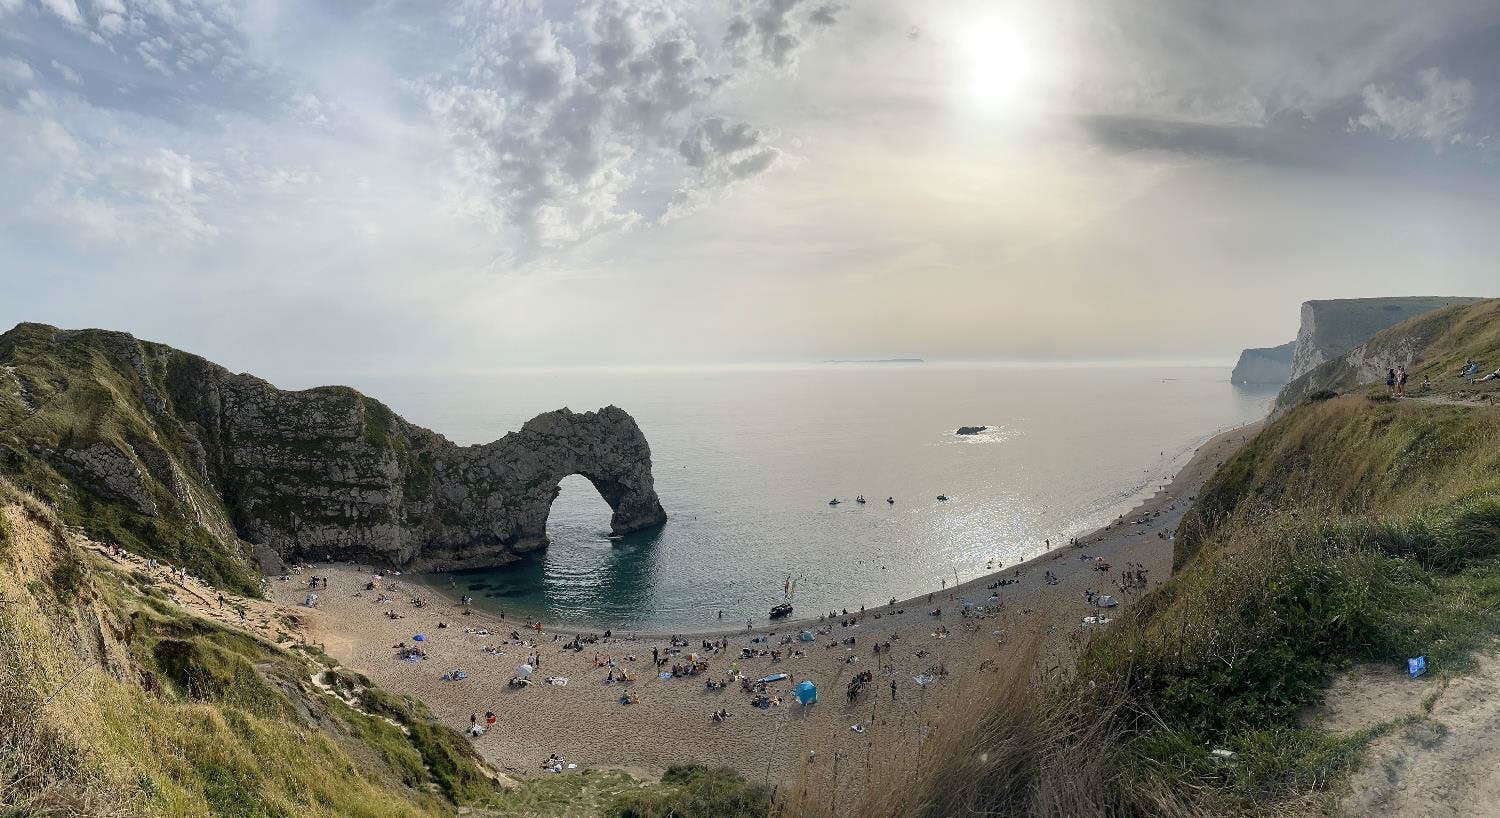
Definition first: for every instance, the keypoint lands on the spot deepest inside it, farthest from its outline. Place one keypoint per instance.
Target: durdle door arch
(607, 448)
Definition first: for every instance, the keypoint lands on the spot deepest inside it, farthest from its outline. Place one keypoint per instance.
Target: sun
(997, 61)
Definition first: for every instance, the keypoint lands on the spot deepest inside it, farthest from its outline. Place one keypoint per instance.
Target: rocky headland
(1328, 329)
(149, 445)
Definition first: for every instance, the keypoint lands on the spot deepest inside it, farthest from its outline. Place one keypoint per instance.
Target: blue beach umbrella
(419, 638)
(806, 691)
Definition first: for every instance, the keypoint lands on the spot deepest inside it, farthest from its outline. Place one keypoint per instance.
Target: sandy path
(584, 722)
(1439, 763)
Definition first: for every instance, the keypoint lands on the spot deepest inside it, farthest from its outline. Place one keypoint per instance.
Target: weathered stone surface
(970, 430)
(108, 473)
(317, 473)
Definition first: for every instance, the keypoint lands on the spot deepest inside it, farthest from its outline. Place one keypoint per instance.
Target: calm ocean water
(746, 460)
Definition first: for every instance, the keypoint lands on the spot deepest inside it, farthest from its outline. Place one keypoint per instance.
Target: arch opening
(579, 512)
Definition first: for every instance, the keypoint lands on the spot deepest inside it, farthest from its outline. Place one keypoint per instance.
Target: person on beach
(893, 690)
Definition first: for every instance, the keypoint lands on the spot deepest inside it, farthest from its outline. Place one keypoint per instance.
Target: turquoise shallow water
(747, 458)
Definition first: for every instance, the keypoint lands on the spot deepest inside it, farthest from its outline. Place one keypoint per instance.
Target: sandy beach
(584, 722)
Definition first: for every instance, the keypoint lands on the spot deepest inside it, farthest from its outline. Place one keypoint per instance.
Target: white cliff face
(1331, 328)
(1307, 355)
(1264, 366)
(323, 473)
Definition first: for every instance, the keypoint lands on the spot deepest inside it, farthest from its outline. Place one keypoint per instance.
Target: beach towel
(664, 675)
(922, 680)
(559, 681)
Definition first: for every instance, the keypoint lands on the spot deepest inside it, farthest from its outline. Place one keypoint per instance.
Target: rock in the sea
(313, 474)
(970, 430)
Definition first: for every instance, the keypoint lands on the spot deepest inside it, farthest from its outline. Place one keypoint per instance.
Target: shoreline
(1144, 504)
(947, 640)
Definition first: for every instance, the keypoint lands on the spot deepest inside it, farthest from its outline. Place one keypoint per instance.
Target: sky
(351, 186)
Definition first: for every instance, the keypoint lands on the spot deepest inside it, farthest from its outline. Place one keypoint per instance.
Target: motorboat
(782, 610)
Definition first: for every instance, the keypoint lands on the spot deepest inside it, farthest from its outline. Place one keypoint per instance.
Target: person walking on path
(1390, 382)
(893, 690)
(1401, 383)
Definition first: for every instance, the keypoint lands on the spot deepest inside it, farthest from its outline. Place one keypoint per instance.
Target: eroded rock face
(109, 473)
(320, 473)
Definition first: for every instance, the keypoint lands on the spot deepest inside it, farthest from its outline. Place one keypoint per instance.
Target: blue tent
(806, 636)
(806, 691)
(419, 638)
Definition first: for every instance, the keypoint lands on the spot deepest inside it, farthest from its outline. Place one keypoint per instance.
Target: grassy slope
(1354, 529)
(77, 392)
(116, 702)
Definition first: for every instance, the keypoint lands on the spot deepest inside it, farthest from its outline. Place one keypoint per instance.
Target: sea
(747, 458)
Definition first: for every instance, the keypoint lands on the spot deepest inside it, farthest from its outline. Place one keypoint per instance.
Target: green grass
(694, 791)
(160, 713)
(1349, 531)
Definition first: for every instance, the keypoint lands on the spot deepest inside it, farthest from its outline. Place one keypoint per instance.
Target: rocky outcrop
(1264, 366)
(313, 474)
(970, 430)
(1331, 328)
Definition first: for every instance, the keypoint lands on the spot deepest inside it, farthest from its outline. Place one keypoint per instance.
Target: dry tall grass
(1012, 740)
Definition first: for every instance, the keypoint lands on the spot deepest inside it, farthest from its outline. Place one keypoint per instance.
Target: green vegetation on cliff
(1352, 529)
(114, 701)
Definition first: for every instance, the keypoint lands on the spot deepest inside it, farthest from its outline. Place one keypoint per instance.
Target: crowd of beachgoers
(538, 696)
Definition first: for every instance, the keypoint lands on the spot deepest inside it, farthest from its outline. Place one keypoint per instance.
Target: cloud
(16, 71)
(774, 31)
(563, 130)
(727, 151)
(1244, 65)
(103, 193)
(1435, 114)
(66, 10)
(67, 73)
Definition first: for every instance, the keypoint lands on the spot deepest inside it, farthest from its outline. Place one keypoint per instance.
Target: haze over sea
(746, 459)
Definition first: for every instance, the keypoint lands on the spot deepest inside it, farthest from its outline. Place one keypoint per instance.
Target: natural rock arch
(605, 447)
(190, 451)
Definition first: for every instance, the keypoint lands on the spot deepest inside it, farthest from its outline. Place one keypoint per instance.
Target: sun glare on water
(999, 63)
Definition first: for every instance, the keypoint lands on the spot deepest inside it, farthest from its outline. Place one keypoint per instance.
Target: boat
(833, 502)
(782, 610)
(860, 499)
(942, 498)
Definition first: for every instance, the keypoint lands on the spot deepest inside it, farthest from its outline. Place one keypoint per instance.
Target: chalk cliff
(184, 454)
(1264, 365)
(1331, 328)
(1456, 330)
